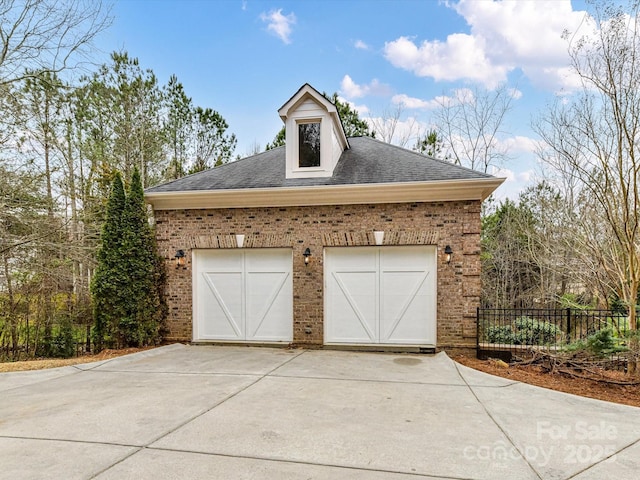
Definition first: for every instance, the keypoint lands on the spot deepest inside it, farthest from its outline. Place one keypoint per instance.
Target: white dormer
(314, 136)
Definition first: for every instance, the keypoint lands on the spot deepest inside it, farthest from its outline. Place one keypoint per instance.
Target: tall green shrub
(110, 277)
(143, 303)
(126, 289)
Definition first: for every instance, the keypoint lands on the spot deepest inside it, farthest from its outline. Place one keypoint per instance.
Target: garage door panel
(393, 302)
(403, 301)
(358, 259)
(352, 303)
(243, 295)
(218, 261)
(402, 258)
(398, 320)
(268, 260)
(268, 301)
(220, 298)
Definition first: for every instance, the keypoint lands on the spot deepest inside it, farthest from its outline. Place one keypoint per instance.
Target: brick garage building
(327, 241)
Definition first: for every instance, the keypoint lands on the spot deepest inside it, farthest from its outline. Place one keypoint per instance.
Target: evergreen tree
(213, 145)
(178, 127)
(353, 125)
(430, 145)
(278, 140)
(143, 304)
(110, 277)
(126, 289)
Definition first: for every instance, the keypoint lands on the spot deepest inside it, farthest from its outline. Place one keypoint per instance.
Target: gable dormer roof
(315, 137)
(307, 91)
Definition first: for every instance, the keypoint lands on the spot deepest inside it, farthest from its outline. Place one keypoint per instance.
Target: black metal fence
(509, 332)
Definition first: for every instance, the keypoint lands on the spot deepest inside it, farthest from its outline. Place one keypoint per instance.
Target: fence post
(568, 325)
(477, 331)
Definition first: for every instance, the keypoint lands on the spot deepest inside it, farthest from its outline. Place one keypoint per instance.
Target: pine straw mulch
(609, 385)
(42, 363)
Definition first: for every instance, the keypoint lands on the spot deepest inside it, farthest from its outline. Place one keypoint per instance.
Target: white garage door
(383, 295)
(243, 295)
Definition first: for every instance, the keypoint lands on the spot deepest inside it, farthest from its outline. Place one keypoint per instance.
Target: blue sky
(245, 58)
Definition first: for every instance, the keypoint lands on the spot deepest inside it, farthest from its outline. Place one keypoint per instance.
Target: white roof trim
(436, 191)
(307, 91)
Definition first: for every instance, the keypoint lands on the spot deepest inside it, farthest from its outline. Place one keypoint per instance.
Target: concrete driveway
(258, 413)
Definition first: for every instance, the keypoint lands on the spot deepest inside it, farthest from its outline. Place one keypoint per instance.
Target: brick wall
(443, 223)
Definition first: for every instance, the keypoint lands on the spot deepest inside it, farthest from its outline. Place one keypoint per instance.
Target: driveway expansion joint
(472, 385)
(70, 440)
(216, 404)
(497, 424)
(619, 451)
(300, 462)
(182, 424)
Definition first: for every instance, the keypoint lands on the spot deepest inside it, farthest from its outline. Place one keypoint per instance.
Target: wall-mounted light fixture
(306, 255)
(448, 252)
(180, 258)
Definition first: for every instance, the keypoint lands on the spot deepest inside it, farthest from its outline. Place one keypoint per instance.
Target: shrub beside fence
(505, 333)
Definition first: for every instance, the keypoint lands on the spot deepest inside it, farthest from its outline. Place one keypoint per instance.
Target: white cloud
(279, 24)
(460, 95)
(514, 184)
(461, 56)
(351, 89)
(360, 45)
(412, 102)
(361, 109)
(504, 35)
(514, 93)
(520, 144)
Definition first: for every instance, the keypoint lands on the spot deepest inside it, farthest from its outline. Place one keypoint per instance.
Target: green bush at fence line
(601, 344)
(631, 340)
(619, 326)
(500, 334)
(577, 346)
(616, 304)
(535, 332)
(524, 331)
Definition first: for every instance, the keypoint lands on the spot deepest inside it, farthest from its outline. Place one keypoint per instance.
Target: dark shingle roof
(367, 161)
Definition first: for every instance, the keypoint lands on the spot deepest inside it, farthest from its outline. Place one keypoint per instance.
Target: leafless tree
(469, 124)
(592, 141)
(390, 127)
(46, 35)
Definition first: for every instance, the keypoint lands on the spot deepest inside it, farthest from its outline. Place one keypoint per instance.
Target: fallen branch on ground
(574, 365)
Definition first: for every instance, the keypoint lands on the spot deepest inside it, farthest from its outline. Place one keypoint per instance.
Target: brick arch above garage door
(334, 239)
